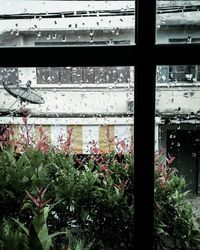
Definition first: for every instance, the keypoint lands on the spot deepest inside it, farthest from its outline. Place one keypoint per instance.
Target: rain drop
(39, 34)
(64, 39)
(193, 154)
(91, 32)
(117, 31)
(91, 40)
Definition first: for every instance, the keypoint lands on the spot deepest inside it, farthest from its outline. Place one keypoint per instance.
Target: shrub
(176, 226)
(96, 199)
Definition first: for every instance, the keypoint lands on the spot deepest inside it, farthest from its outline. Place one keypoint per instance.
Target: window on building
(8, 75)
(84, 75)
(178, 74)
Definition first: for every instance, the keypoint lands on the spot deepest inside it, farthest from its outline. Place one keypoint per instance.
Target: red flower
(42, 144)
(170, 159)
(104, 168)
(110, 139)
(94, 149)
(38, 200)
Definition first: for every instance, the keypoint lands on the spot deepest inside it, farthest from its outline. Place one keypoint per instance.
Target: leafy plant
(96, 198)
(176, 226)
(39, 237)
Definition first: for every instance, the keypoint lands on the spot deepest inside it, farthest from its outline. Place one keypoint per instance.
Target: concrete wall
(178, 100)
(108, 99)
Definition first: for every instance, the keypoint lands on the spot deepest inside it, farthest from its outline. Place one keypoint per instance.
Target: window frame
(144, 92)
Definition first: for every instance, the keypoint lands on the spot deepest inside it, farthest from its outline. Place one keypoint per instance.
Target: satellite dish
(24, 93)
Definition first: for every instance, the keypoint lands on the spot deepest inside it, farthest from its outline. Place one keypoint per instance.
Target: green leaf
(21, 226)
(52, 206)
(11, 157)
(34, 241)
(27, 205)
(51, 236)
(7, 178)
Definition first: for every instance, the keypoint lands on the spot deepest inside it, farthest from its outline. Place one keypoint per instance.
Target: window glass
(68, 147)
(177, 156)
(177, 22)
(66, 23)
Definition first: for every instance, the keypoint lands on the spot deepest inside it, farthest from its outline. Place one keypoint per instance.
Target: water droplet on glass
(39, 34)
(117, 31)
(193, 154)
(64, 39)
(91, 32)
(110, 42)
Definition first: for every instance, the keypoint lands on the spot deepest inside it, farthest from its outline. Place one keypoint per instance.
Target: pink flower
(104, 168)
(170, 159)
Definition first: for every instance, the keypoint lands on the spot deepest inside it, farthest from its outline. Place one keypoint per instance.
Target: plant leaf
(21, 226)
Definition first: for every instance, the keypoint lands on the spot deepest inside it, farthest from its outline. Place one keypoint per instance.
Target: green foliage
(12, 237)
(38, 234)
(175, 223)
(94, 201)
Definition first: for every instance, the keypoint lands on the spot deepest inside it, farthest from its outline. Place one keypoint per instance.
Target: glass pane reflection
(177, 22)
(66, 23)
(66, 153)
(177, 169)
